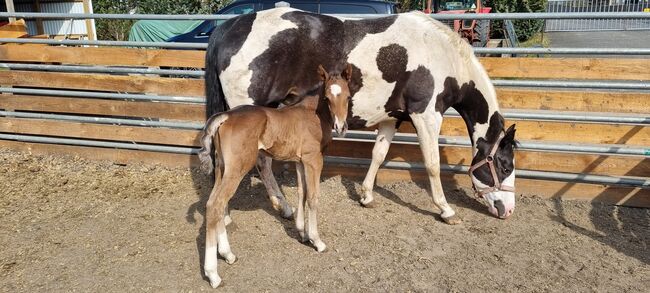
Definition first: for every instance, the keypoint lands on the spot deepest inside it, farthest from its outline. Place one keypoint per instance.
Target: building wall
(57, 27)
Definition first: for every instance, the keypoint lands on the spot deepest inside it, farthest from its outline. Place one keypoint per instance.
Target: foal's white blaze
(335, 89)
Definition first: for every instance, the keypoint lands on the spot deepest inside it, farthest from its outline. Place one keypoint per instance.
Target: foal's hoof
(227, 220)
(453, 220)
(214, 278)
(368, 203)
(230, 258)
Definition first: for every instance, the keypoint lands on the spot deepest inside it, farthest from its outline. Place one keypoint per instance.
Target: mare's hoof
(453, 220)
(370, 204)
(320, 246)
(288, 213)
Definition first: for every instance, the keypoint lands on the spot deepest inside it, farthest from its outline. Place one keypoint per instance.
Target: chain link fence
(560, 6)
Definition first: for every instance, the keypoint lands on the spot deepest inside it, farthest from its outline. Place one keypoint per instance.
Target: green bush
(525, 28)
(119, 29)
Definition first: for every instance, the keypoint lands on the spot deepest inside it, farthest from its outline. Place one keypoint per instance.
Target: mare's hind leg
(275, 194)
(385, 135)
(428, 129)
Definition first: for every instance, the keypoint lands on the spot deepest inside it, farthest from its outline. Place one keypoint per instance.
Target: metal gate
(555, 25)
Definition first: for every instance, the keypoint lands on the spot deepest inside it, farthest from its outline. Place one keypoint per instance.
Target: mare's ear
(322, 73)
(291, 99)
(509, 137)
(347, 73)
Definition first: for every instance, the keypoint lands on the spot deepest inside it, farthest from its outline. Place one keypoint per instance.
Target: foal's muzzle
(340, 128)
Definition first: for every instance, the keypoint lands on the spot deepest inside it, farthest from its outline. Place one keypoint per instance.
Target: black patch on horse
(355, 84)
(413, 89)
(236, 32)
(288, 66)
(356, 30)
(503, 158)
(466, 99)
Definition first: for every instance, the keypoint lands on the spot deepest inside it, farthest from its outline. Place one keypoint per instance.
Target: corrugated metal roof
(57, 27)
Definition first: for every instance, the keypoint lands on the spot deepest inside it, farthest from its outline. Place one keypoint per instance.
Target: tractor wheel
(482, 33)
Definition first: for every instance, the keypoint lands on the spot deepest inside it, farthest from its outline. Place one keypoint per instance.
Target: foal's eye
(505, 170)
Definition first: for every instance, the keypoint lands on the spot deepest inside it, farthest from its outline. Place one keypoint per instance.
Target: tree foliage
(119, 29)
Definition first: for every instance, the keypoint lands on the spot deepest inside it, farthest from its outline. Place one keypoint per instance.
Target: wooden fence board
(568, 68)
(585, 101)
(103, 82)
(104, 56)
(637, 135)
(162, 110)
(152, 135)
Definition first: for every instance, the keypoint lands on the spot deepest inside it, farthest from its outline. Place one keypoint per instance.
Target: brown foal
(296, 133)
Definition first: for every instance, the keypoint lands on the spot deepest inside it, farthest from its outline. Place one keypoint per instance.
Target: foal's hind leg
(428, 129)
(300, 213)
(215, 228)
(275, 194)
(385, 135)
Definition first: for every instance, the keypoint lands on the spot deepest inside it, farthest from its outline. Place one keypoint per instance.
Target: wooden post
(11, 9)
(39, 22)
(89, 22)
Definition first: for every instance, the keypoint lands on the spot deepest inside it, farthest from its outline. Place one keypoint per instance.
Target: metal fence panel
(567, 6)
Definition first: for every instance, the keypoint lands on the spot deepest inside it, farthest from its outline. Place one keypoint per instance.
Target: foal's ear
(347, 73)
(322, 73)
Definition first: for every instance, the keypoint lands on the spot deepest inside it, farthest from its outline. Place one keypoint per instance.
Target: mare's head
(493, 172)
(337, 95)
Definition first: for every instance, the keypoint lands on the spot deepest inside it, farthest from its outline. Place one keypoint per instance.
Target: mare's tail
(209, 139)
(215, 99)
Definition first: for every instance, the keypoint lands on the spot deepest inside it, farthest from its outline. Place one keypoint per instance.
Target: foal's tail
(209, 139)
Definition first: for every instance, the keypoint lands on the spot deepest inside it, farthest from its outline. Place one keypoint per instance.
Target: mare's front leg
(278, 200)
(313, 168)
(385, 135)
(428, 129)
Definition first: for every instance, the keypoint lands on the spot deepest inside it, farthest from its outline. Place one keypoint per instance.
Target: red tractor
(476, 32)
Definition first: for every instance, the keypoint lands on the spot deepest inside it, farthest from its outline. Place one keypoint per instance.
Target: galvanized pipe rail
(101, 69)
(513, 16)
(100, 95)
(361, 136)
(531, 174)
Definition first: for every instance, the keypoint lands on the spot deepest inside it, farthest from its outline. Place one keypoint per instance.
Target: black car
(201, 33)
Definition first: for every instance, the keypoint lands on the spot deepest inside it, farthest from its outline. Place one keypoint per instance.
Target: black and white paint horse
(406, 67)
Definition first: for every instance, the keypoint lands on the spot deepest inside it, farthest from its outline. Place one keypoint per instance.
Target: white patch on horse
(236, 78)
(335, 89)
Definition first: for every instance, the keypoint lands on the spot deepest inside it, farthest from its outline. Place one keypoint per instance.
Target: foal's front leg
(313, 170)
(279, 202)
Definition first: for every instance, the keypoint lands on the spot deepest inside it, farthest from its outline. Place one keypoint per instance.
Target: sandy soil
(71, 225)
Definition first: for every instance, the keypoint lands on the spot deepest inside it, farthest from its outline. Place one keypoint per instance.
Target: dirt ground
(71, 225)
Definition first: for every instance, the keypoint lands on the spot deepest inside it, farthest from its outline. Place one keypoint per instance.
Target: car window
(239, 9)
(311, 7)
(336, 8)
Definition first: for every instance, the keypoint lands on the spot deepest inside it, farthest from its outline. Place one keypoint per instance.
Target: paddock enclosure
(96, 194)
